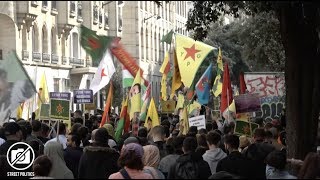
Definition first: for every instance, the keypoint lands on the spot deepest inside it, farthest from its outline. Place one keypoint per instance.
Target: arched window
(53, 41)
(44, 40)
(75, 48)
(35, 39)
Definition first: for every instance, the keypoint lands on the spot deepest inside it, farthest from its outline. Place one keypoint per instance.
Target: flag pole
(228, 105)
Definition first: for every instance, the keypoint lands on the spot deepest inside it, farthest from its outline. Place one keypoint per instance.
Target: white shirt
(2, 141)
(62, 139)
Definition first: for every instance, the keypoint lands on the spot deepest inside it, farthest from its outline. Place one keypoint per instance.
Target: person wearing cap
(13, 134)
(98, 160)
(131, 163)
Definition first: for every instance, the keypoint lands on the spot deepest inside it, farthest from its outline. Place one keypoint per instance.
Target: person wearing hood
(54, 151)
(151, 160)
(214, 154)
(190, 165)
(73, 153)
(98, 160)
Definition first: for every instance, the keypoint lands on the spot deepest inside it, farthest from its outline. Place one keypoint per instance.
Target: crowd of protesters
(88, 151)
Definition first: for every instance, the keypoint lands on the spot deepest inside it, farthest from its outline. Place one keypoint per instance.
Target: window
(56, 84)
(72, 6)
(79, 10)
(54, 5)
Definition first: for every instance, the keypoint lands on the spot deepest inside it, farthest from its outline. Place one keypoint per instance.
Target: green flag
(94, 45)
(168, 37)
(245, 128)
(60, 109)
(121, 122)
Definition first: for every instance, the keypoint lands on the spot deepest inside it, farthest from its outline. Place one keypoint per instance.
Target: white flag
(104, 73)
(83, 83)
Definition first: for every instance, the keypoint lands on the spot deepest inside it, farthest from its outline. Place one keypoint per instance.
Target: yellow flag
(190, 54)
(176, 78)
(135, 95)
(164, 87)
(194, 108)
(219, 60)
(184, 121)
(153, 115)
(164, 68)
(20, 110)
(180, 102)
(43, 94)
(217, 86)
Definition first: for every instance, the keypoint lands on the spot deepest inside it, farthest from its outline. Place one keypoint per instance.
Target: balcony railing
(64, 60)
(72, 9)
(88, 63)
(45, 57)
(54, 59)
(25, 55)
(36, 56)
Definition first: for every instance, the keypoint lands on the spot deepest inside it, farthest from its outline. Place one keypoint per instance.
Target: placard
(83, 96)
(60, 109)
(247, 103)
(60, 95)
(168, 106)
(45, 111)
(199, 121)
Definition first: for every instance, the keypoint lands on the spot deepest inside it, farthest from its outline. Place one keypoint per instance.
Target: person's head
(42, 166)
(214, 125)
(209, 126)
(158, 133)
(143, 132)
(53, 150)
(73, 140)
(93, 133)
(151, 156)
(25, 127)
(75, 127)
(268, 136)
(178, 144)
(282, 138)
(202, 141)
(193, 130)
(213, 139)
(203, 131)
(136, 89)
(175, 133)
(244, 142)
(78, 120)
(13, 131)
(277, 159)
(45, 130)
(36, 126)
(83, 132)
(310, 167)
(101, 137)
(259, 135)
(189, 145)
(77, 114)
(131, 139)
(62, 128)
(131, 156)
(231, 142)
(110, 129)
(149, 123)
(274, 132)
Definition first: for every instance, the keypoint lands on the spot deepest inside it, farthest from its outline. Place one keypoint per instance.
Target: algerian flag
(127, 78)
(104, 73)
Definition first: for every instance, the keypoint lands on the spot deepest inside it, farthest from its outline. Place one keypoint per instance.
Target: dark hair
(232, 140)
(310, 167)
(259, 134)
(213, 138)
(209, 126)
(82, 132)
(36, 126)
(277, 159)
(139, 86)
(76, 139)
(217, 131)
(101, 137)
(203, 131)
(282, 137)
(268, 125)
(62, 128)
(166, 123)
(166, 131)
(78, 120)
(177, 144)
(75, 127)
(78, 112)
(190, 144)
(42, 166)
(25, 125)
(202, 140)
(268, 134)
(214, 125)
(44, 128)
(169, 146)
(130, 160)
(143, 132)
(193, 129)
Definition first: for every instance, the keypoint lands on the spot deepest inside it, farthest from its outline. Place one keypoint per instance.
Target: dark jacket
(72, 157)
(5, 146)
(98, 162)
(190, 166)
(161, 145)
(238, 165)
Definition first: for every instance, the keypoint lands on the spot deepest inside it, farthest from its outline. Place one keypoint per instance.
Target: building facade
(144, 25)
(45, 35)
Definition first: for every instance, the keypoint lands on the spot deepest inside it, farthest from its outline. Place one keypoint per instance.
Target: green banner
(45, 111)
(60, 109)
(245, 128)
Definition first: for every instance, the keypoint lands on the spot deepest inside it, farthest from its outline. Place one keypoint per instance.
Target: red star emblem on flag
(102, 73)
(191, 52)
(93, 43)
(202, 83)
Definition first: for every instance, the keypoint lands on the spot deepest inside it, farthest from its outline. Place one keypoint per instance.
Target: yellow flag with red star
(190, 55)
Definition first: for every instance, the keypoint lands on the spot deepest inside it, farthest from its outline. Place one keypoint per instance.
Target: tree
(299, 30)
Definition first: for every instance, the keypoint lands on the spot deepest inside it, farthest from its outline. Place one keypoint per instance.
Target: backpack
(187, 170)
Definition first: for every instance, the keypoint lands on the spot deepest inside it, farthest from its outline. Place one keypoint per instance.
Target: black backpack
(187, 170)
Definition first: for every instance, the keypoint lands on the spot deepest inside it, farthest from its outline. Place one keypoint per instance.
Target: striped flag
(127, 78)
